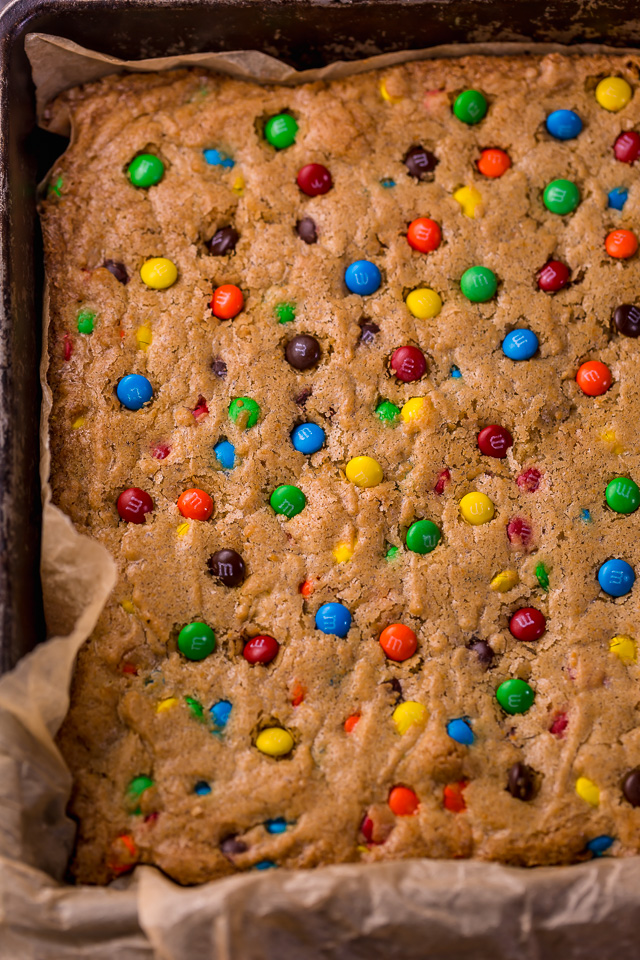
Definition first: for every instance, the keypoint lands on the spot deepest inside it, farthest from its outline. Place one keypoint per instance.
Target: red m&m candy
(553, 276)
(314, 179)
(527, 624)
(261, 649)
(424, 235)
(133, 505)
(594, 378)
(520, 532)
(227, 302)
(494, 441)
(408, 364)
(627, 147)
(195, 504)
(529, 480)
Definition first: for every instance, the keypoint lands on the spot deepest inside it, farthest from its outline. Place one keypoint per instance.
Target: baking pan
(304, 33)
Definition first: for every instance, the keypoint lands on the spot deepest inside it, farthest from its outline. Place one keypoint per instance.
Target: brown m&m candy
(483, 652)
(303, 352)
(118, 270)
(368, 330)
(631, 787)
(307, 230)
(521, 782)
(420, 162)
(626, 319)
(227, 566)
(223, 241)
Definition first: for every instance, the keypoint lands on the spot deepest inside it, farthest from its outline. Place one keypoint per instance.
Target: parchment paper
(407, 910)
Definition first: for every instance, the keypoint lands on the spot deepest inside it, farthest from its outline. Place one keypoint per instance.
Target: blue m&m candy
(617, 198)
(202, 788)
(564, 124)
(134, 391)
(520, 344)
(616, 577)
(277, 825)
(217, 159)
(220, 713)
(225, 454)
(362, 277)
(308, 438)
(460, 731)
(600, 844)
(333, 618)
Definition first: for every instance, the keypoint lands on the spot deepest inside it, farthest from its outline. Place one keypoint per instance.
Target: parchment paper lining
(408, 909)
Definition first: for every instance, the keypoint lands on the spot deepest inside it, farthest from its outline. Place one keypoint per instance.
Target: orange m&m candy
(195, 504)
(621, 244)
(398, 642)
(227, 302)
(306, 588)
(493, 163)
(424, 235)
(594, 378)
(403, 802)
(350, 722)
(453, 798)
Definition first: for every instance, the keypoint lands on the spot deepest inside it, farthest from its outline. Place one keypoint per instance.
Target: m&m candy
(460, 731)
(217, 158)
(403, 802)
(631, 787)
(303, 352)
(515, 695)
(195, 504)
(308, 438)
(520, 344)
(493, 163)
(564, 124)
(351, 723)
(470, 106)
(588, 791)
(453, 796)
(626, 149)
(307, 230)
(134, 504)
(225, 454)
(274, 742)
(227, 567)
(413, 409)
(223, 241)
(423, 536)
(478, 284)
(494, 441)
(227, 302)
(261, 649)
(476, 508)
(288, 500)
(398, 642)
(221, 712)
(276, 825)
(196, 641)
(244, 411)
(613, 93)
(527, 624)
(408, 364)
(623, 495)
(333, 618)
(136, 788)
(554, 276)
(599, 845)
(521, 782)
(314, 179)
(280, 131)
(420, 162)
(616, 577)
(624, 648)
(364, 472)
(133, 391)
(424, 235)
(593, 378)
(561, 196)
(626, 319)
(117, 270)
(159, 273)
(387, 412)
(202, 788)
(363, 277)
(86, 320)
(424, 303)
(146, 170)
(617, 198)
(409, 714)
(621, 244)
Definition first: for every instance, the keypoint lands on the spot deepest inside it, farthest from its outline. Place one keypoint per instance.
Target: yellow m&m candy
(476, 508)
(424, 303)
(144, 337)
(613, 93)
(275, 742)
(588, 790)
(343, 552)
(409, 714)
(469, 199)
(624, 648)
(364, 472)
(159, 273)
(413, 409)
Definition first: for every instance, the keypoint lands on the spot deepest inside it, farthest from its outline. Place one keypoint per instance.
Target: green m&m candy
(478, 284)
(515, 696)
(285, 312)
(470, 107)
(623, 495)
(561, 196)
(244, 411)
(195, 707)
(387, 411)
(423, 536)
(281, 131)
(196, 641)
(288, 500)
(86, 320)
(135, 790)
(146, 170)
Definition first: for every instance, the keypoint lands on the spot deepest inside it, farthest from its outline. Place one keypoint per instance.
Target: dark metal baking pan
(305, 33)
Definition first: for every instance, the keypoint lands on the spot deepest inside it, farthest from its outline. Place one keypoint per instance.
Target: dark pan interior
(304, 34)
